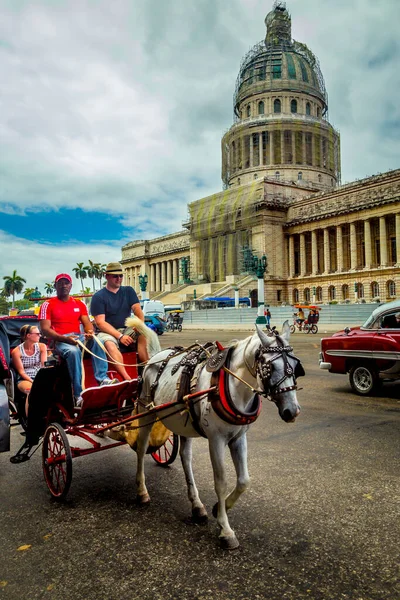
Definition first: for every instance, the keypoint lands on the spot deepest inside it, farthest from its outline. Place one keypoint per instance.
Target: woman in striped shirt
(28, 358)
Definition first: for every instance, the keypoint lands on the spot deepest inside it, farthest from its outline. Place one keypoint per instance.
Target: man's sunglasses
(116, 276)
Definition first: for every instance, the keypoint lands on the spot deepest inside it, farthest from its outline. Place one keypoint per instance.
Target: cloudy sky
(112, 112)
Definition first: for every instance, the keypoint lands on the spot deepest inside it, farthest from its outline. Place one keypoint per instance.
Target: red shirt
(64, 317)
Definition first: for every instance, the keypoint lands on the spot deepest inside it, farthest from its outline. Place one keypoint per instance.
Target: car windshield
(369, 323)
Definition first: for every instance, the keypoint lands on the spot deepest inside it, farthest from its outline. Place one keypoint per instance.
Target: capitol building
(282, 198)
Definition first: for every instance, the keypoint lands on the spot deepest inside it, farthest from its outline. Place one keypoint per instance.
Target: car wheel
(363, 379)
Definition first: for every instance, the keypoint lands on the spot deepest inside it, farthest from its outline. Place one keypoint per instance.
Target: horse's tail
(153, 345)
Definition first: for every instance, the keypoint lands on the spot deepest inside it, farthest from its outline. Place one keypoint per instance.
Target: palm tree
(49, 288)
(80, 272)
(13, 284)
(102, 272)
(92, 271)
(28, 293)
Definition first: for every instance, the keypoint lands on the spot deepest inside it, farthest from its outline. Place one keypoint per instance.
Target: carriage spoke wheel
(166, 454)
(57, 461)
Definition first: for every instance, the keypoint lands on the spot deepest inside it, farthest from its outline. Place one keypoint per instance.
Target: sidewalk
(322, 327)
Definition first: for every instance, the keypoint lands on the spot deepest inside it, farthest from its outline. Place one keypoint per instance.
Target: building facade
(282, 198)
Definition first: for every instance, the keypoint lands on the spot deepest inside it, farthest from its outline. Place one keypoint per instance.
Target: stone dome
(279, 64)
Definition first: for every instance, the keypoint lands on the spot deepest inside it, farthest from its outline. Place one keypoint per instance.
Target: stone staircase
(227, 289)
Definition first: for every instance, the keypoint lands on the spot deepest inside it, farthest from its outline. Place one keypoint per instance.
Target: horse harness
(216, 360)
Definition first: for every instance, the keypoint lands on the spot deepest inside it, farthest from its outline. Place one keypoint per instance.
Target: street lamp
(143, 279)
(260, 267)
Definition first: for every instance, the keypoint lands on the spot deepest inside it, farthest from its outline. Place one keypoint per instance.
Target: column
(353, 247)
(314, 252)
(251, 150)
(293, 147)
(302, 254)
(327, 256)
(339, 248)
(242, 152)
(175, 271)
(291, 256)
(152, 278)
(271, 148)
(367, 244)
(303, 144)
(398, 239)
(169, 272)
(383, 241)
(312, 149)
(158, 286)
(260, 148)
(163, 269)
(282, 146)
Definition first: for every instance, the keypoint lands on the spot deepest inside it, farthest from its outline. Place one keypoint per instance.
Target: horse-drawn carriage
(201, 391)
(53, 419)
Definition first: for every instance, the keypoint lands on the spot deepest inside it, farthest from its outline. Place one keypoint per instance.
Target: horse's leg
(142, 497)
(217, 450)
(238, 450)
(199, 513)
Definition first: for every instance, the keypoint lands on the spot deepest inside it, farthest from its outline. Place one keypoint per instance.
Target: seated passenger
(28, 358)
(110, 308)
(60, 320)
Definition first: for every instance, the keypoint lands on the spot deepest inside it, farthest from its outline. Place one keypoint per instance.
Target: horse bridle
(264, 369)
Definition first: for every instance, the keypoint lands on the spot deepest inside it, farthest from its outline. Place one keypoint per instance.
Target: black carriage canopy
(9, 333)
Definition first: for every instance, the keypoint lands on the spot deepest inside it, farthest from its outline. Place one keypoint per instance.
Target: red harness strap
(223, 404)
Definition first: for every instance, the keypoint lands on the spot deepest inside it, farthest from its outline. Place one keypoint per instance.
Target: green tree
(102, 272)
(49, 288)
(92, 271)
(28, 292)
(80, 272)
(13, 284)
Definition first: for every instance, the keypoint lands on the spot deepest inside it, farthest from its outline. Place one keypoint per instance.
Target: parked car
(370, 353)
(156, 323)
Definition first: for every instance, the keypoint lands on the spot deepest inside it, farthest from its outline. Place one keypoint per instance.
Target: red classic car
(370, 354)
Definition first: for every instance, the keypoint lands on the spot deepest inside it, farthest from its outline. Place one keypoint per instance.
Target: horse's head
(277, 371)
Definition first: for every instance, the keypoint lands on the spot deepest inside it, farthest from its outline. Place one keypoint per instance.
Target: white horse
(262, 362)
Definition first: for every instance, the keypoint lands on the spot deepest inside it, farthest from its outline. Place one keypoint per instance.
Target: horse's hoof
(215, 510)
(143, 500)
(229, 543)
(199, 515)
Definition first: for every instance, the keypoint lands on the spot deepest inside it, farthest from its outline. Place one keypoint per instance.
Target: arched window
(295, 296)
(360, 290)
(277, 175)
(345, 291)
(255, 175)
(261, 108)
(307, 295)
(332, 292)
(308, 108)
(248, 110)
(391, 288)
(318, 111)
(375, 289)
(238, 180)
(319, 294)
(277, 105)
(319, 178)
(299, 176)
(293, 106)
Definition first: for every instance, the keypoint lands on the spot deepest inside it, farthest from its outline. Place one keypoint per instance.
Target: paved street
(320, 520)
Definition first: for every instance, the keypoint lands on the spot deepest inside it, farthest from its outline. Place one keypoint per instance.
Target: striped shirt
(31, 364)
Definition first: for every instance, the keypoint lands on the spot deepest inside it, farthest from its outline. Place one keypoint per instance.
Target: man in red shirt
(61, 319)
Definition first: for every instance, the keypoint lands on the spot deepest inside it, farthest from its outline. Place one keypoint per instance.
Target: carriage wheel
(57, 461)
(306, 328)
(314, 328)
(179, 327)
(166, 454)
(292, 329)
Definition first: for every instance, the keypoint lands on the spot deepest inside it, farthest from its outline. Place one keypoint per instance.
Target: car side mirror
(347, 330)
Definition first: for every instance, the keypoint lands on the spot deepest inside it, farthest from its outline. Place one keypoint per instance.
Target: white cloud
(39, 263)
(120, 106)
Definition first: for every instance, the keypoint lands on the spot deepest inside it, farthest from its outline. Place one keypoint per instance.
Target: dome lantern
(279, 26)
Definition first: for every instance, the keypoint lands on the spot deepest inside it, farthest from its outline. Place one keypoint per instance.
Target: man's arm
(87, 325)
(137, 311)
(102, 324)
(45, 327)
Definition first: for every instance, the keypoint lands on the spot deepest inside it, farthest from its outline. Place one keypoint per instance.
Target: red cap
(63, 276)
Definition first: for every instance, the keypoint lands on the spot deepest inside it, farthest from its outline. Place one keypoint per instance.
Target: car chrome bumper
(324, 365)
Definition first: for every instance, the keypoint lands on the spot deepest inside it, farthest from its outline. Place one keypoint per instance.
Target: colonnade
(279, 146)
(364, 244)
(163, 272)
